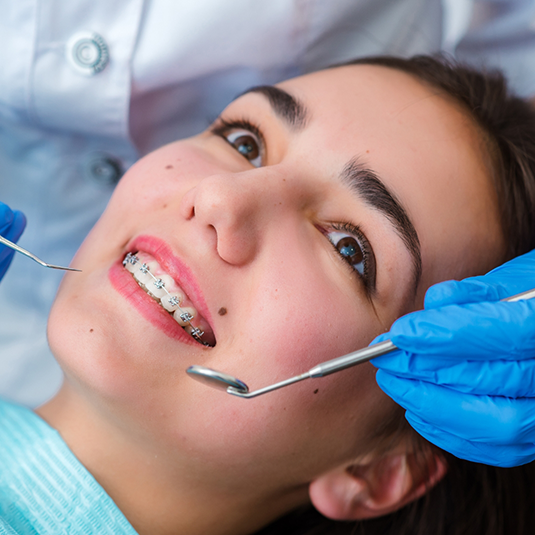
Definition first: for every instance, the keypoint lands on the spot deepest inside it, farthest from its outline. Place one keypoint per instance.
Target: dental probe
(19, 249)
(234, 386)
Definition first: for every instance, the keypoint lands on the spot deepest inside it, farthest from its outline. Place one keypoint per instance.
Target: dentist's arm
(466, 372)
(12, 224)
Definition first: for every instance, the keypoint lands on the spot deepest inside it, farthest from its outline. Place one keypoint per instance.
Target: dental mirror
(216, 379)
(234, 386)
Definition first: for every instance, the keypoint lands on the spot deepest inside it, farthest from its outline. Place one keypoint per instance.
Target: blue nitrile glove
(466, 372)
(12, 224)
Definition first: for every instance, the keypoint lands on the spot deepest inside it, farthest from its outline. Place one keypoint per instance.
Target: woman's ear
(377, 488)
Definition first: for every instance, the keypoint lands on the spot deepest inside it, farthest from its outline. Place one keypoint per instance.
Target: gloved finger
(5, 211)
(481, 419)
(510, 378)
(12, 224)
(511, 278)
(17, 227)
(463, 292)
(6, 217)
(497, 330)
(12, 228)
(504, 456)
(381, 338)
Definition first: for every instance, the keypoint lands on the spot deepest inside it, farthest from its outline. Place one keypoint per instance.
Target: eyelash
(368, 272)
(223, 128)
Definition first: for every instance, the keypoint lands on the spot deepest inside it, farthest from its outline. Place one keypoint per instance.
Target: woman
(297, 228)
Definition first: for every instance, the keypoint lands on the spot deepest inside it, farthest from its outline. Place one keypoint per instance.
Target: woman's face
(298, 228)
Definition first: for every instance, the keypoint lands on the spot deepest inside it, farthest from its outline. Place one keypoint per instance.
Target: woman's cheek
(311, 331)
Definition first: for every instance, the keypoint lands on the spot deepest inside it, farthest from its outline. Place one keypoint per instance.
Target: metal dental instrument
(234, 386)
(19, 249)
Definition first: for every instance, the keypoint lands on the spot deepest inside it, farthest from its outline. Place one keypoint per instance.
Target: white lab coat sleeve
(502, 35)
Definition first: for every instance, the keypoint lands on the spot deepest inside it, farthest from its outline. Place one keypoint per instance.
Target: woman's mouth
(159, 285)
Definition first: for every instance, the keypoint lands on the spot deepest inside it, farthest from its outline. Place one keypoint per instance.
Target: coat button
(104, 169)
(87, 53)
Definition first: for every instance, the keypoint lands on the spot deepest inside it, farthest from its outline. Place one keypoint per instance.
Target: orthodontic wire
(160, 284)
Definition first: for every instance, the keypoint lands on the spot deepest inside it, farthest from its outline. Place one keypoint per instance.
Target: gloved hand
(466, 372)
(12, 224)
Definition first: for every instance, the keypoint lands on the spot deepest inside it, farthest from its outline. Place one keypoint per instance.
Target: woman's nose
(231, 207)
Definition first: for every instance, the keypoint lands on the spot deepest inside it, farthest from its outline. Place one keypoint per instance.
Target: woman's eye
(247, 145)
(244, 136)
(350, 250)
(354, 248)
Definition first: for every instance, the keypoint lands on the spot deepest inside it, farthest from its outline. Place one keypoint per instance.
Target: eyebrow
(368, 186)
(293, 112)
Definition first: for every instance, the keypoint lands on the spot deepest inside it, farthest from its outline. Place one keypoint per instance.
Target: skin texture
(178, 457)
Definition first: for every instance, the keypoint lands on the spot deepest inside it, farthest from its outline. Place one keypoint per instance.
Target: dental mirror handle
(352, 359)
(368, 353)
(323, 369)
(346, 361)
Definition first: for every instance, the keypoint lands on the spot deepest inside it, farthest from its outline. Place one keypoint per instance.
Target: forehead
(425, 148)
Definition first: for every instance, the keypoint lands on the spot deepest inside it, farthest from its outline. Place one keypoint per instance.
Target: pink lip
(125, 284)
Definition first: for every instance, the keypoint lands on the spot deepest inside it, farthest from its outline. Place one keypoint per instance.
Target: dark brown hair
(472, 499)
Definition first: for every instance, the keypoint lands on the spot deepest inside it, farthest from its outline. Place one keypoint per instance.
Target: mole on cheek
(169, 167)
(90, 330)
(222, 311)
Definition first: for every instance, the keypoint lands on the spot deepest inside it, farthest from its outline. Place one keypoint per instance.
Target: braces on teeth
(185, 316)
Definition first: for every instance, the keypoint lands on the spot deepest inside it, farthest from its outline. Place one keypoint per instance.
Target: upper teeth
(157, 287)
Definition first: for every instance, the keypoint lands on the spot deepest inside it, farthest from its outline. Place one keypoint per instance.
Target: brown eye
(350, 249)
(247, 145)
